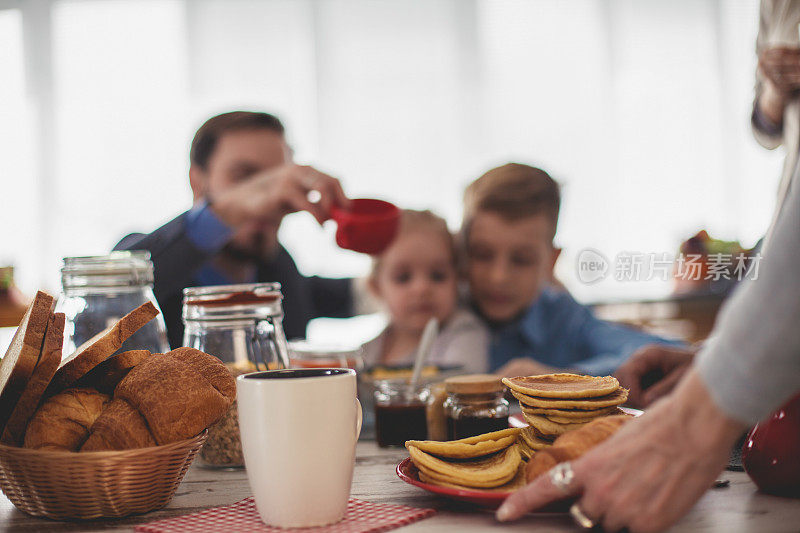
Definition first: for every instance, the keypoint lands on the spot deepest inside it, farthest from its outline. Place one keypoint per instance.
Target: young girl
(416, 278)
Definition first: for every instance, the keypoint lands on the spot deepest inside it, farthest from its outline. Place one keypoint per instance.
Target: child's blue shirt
(558, 331)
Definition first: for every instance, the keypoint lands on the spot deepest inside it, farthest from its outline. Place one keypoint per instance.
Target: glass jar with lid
(242, 325)
(475, 405)
(97, 291)
(306, 354)
(399, 412)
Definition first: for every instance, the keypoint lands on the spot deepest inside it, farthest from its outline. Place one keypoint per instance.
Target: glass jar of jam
(475, 405)
(399, 413)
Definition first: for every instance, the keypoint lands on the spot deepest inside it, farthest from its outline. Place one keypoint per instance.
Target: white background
(639, 107)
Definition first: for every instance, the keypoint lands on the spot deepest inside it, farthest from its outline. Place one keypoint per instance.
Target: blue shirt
(558, 331)
(209, 234)
(205, 229)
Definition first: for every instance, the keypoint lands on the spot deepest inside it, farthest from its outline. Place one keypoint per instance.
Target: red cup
(368, 226)
(771, 453)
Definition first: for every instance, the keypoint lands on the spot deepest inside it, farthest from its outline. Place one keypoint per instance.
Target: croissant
(62, 422)
(572, 445)
(163, 399)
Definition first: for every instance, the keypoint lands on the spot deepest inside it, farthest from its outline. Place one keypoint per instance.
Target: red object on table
(409, 473)
(242, 517)
(771, 453)
(369, 226)
(490, 499)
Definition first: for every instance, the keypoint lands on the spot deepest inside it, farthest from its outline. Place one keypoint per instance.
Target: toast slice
(23, 354)
(99, 348)
(49, 360)
(105, 376)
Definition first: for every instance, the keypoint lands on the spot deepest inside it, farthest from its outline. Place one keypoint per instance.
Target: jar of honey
(475, 405)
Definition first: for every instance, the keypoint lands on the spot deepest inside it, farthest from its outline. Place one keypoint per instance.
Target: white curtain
(640, 108)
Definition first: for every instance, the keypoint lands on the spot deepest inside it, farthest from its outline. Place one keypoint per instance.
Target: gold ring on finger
(580, 517)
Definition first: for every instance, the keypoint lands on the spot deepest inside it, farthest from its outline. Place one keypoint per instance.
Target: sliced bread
(23, 354)
(105, 376)
(49, 360)
(99, 348)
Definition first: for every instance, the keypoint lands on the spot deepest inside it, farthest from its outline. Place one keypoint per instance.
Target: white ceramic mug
(299, 430)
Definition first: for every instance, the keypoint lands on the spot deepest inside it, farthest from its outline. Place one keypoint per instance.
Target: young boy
(510, 218)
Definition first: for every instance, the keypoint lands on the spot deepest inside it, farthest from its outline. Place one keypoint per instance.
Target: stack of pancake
(490, 461)
(554, 404)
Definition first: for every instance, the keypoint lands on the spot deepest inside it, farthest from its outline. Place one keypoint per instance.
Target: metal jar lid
(117, 269)
(233, 302)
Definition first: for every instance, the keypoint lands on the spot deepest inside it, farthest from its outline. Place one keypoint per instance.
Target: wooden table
(738, 507)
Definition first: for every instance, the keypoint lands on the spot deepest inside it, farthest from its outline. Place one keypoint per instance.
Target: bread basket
(108, 484)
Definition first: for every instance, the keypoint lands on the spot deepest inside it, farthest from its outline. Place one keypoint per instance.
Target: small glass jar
(399, 413)
(437, 419)
(99, 290)
(305, 354)
(242, 325)
(475, 405)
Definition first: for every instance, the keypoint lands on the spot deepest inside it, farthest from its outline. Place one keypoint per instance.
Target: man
(243, 182)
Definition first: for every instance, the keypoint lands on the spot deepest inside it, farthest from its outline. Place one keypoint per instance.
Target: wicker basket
(68, 485)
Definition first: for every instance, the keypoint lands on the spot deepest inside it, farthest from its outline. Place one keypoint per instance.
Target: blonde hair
(413, 220)
(513, 191)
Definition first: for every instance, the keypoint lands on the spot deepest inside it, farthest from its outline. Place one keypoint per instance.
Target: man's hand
(273, 194)
(651, 472)
(781, 68)
(523, 366)
(665, 365)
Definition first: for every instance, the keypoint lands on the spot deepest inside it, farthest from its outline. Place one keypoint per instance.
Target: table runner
(242, 516)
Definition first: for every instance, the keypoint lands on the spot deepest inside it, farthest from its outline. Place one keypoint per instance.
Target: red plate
(518, 421)
(409, 473)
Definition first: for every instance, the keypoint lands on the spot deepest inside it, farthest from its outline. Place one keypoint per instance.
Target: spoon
(423, 351)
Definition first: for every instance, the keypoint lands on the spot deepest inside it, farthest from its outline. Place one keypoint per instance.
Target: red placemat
(361, 517)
